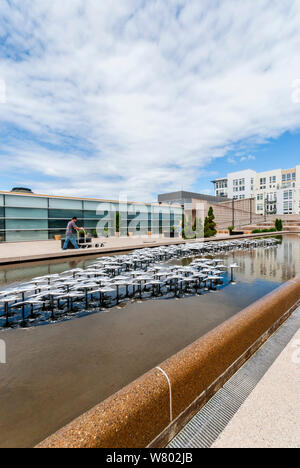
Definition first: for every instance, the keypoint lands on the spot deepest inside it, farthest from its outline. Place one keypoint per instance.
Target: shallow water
(56, 372)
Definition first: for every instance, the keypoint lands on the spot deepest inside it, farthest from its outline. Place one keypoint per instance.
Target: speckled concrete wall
(136, 415)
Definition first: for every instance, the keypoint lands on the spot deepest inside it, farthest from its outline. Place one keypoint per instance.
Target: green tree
(209, 224)
(278, 225)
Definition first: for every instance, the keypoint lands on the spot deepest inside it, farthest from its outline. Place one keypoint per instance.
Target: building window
(288, 195)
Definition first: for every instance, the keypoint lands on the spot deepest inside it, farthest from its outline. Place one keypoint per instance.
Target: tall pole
(233, 220)
(266, 204)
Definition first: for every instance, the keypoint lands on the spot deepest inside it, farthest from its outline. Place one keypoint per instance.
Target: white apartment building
(221, 187)
(237, 185)
(241, 184)
(276, 192)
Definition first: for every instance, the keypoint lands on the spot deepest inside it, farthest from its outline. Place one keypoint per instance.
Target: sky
(140, 97)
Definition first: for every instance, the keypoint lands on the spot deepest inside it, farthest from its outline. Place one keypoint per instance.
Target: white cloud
(296, 91)
(2, 92)
(250, 157)
(146, 93)
(231, 160)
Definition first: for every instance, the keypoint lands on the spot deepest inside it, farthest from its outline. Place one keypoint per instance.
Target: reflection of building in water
(276, 264)
(11, 274)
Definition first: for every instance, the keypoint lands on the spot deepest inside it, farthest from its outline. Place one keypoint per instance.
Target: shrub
(278, 225)
(118, 221)
(261, 231)
(209, 224)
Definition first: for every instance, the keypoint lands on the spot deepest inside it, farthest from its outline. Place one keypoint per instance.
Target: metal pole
(265, 209)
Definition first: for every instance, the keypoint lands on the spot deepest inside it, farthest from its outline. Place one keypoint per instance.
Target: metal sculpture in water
(143, 274)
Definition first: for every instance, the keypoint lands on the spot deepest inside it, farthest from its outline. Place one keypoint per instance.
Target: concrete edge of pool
(150, 411)
(126, 248)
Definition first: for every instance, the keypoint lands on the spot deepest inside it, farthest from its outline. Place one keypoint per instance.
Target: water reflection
(56, 373)
(12, 274)
(278, 264)
(275, 264)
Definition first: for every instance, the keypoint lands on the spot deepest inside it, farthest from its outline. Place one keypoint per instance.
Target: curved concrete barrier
(151, 410)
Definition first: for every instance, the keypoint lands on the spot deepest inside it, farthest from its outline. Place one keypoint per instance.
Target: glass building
(27, 216)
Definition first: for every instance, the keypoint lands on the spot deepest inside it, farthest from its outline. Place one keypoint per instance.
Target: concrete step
(285, 228)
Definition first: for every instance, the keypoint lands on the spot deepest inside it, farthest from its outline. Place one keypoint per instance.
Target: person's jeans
(73, 241)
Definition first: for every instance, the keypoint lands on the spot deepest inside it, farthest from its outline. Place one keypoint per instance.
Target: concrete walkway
(15, 249)
(40, 250)
(270, 417)
(259, 407)
(18, 252)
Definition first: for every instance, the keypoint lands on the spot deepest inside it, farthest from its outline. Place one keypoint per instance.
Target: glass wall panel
(29, 201)
(65, 214)
(18, 236)
(107, 214)
(91, 205)
(26, 224)
(26, 213)
(56, 232)
(31, 213)
(90, 223)
(65, 204)
(57, 224)
(91, 215)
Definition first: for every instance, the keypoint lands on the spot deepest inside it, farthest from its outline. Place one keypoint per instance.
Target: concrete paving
(40, 250)
(18, 252)
(270, 417)
(258, 407)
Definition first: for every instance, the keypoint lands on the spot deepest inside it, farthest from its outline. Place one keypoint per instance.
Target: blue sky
(142, 97)
(282, 152)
